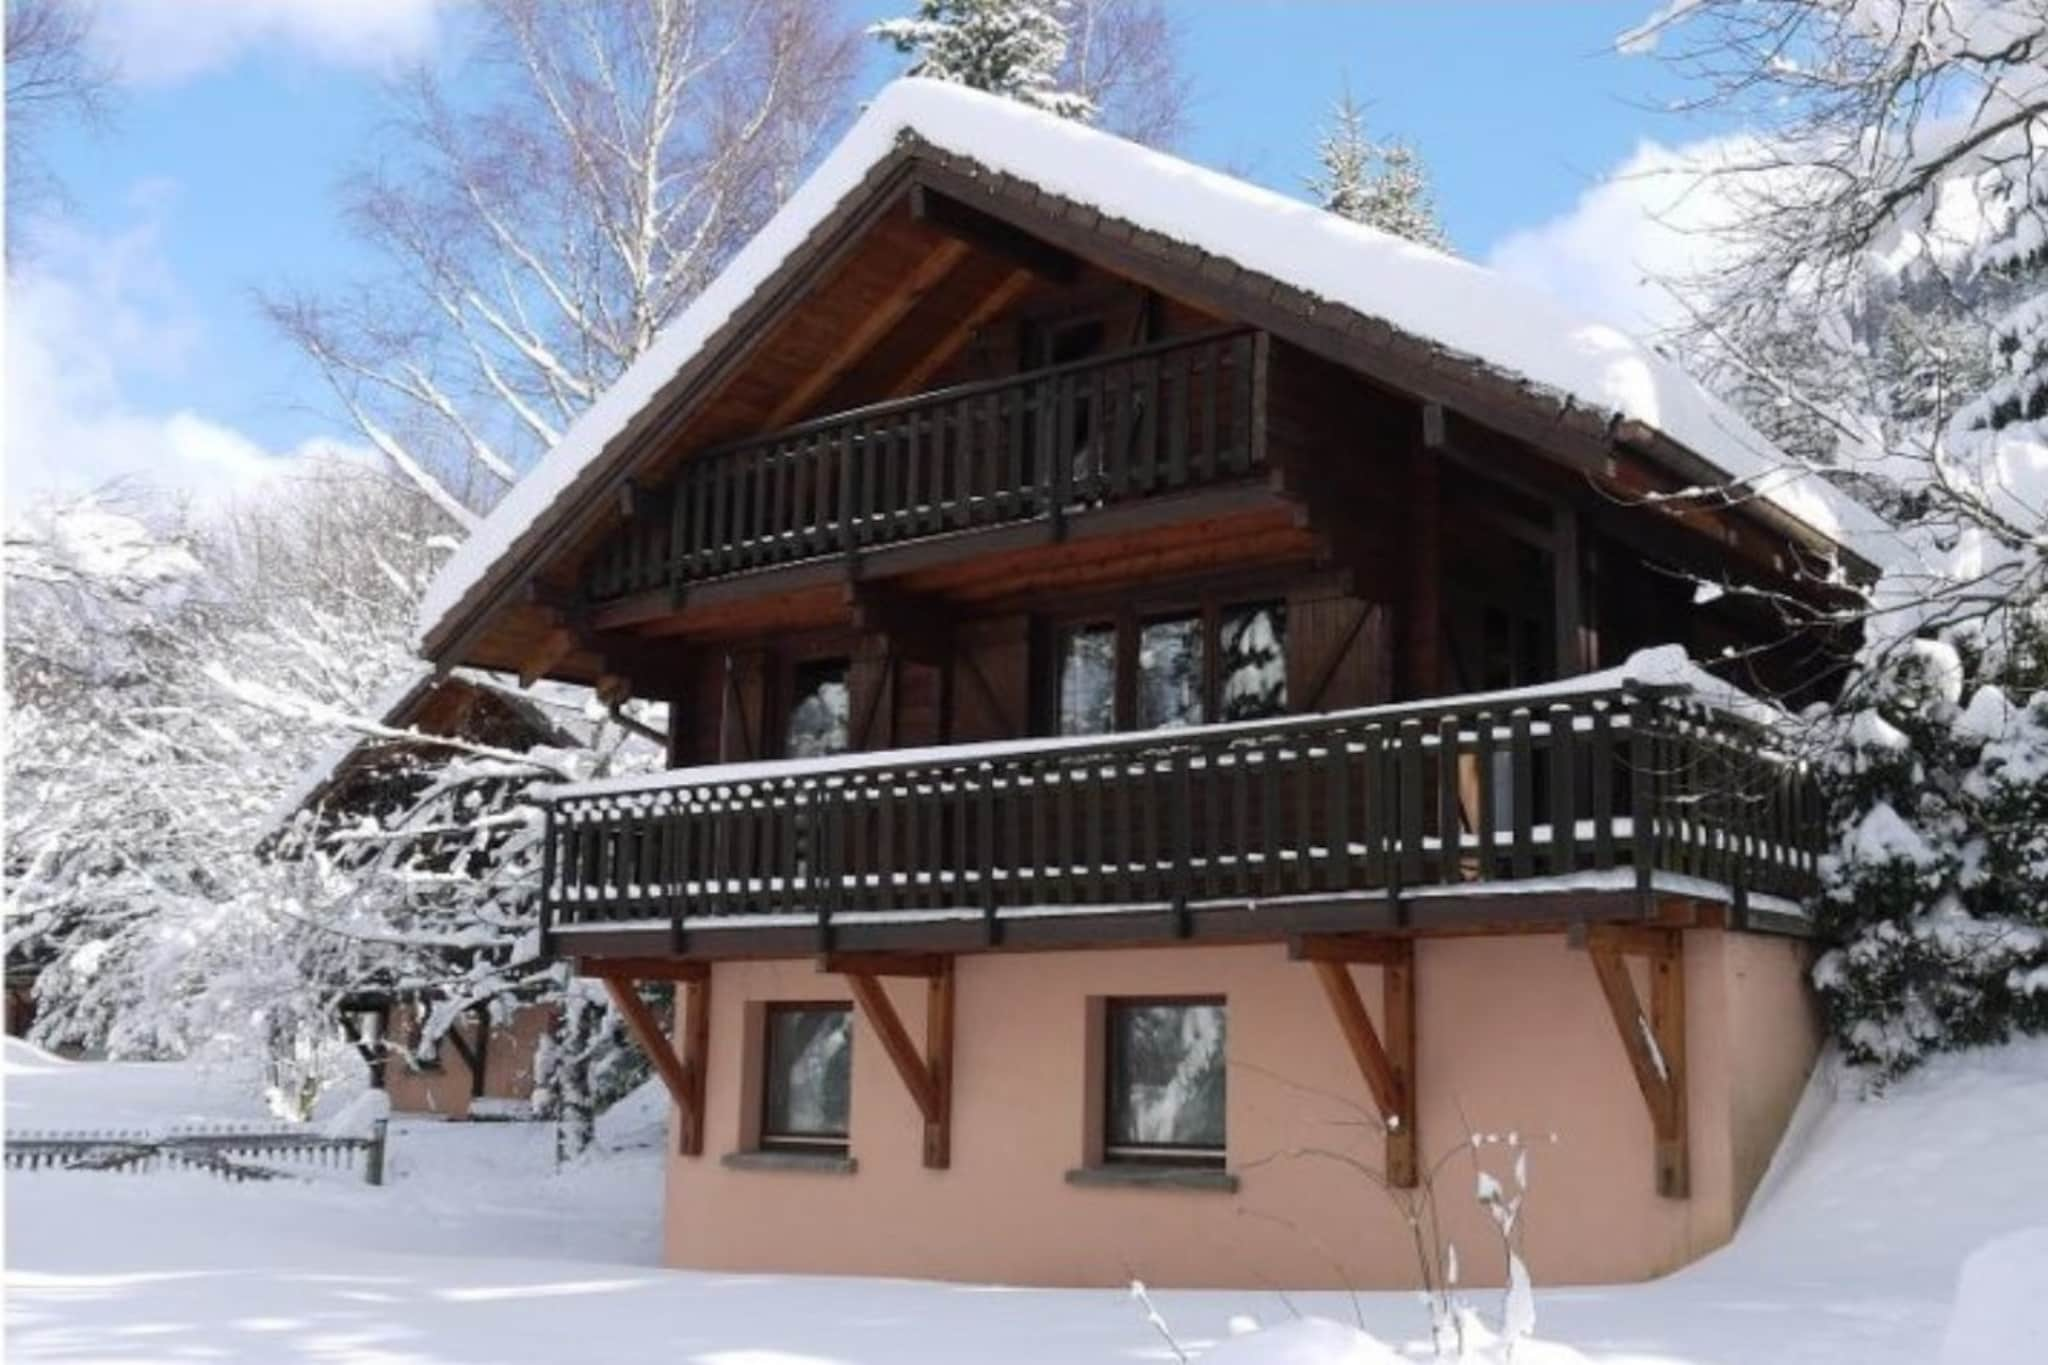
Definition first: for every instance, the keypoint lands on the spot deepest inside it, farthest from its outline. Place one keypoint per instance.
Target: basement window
(1165, 1102)
(807, 1090)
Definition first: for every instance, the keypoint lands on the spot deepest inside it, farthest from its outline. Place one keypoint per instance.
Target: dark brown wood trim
(994, 235)
(884, 315)
(1255, 921)
(658, 608)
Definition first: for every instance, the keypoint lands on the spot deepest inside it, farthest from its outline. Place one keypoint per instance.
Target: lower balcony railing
(1610, 786)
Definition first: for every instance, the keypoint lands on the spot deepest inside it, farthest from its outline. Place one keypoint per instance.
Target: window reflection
(1088, 680)
(1254, 657)
(820, 710)
(1170, 673)
(809, 1081)
(1166, 1081)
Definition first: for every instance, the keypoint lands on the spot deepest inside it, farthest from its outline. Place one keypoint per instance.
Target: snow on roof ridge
(1449, 302)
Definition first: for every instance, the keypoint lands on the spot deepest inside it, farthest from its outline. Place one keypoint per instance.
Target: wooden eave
(1577, 438)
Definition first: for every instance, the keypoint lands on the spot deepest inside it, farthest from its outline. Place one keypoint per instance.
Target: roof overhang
(579, 484)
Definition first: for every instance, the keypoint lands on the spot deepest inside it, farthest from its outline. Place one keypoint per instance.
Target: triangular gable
(1439, 327)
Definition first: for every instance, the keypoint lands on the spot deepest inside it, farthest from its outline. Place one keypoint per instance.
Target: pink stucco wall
(1513, 1036)
(445, 1090)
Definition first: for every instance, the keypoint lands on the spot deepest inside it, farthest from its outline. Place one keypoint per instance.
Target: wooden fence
(234, 1155)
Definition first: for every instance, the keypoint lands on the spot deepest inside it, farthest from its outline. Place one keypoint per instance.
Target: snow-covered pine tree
(1383, 185)
(1884, 299)
(1007, 47)
(1399, 199)
(1936, 893)
(1345, 153)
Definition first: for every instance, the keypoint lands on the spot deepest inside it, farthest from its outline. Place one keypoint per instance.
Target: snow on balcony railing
(1655, 767)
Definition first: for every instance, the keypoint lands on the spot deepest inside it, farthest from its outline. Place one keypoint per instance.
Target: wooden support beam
(1389, 1067)
(696, 1005)
(681, 1072)
(872, 327)
(1654, 1041)
(928, 1076)
(960, 333)
(994, 235)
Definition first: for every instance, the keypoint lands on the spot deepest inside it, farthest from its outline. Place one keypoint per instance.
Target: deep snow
(478, 1251)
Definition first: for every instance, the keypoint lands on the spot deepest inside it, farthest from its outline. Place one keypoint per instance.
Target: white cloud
(86, 317)
(162, 42)
(1650, 221)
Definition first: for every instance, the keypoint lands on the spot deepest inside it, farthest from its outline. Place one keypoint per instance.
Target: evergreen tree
(1936, 892)
(1383, 185)
(1007, 47)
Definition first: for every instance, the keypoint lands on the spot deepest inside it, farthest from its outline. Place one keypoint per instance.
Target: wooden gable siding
(1342, 442)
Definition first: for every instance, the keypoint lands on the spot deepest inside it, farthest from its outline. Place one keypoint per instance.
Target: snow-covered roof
(396, 707)
(1498, 323)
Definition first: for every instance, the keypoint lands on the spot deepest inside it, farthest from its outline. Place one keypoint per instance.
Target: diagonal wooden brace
(680, 1065)
(927, 1076)
(1654, 1041)
(1389, 1067)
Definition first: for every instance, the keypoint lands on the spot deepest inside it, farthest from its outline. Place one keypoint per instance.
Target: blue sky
(218, 177)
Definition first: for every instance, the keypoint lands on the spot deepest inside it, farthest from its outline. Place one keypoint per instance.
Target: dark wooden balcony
(1180, 415)
(1314, 823)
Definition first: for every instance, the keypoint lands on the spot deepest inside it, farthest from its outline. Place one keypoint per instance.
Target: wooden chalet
(484, 1064)
(1152, 703)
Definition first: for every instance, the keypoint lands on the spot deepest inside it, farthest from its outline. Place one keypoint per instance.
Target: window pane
(1088, 681)
(818, 715)
(1170, 673)
(1166, 1077)
(810, 1073)
(1255, 661)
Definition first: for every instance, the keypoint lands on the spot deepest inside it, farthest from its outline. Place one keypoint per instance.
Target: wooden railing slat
(1293, 807)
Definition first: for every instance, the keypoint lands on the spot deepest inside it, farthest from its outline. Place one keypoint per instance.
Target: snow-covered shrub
(1457, 1328)
(1935, 895)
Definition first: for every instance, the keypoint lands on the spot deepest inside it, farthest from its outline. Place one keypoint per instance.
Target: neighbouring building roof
(1466, 312)
(406, 704)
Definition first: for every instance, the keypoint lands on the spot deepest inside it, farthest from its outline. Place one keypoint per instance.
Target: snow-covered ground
(478, 1251)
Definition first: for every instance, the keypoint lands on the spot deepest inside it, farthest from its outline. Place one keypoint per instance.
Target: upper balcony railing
(1629, 783)
(1179, 414)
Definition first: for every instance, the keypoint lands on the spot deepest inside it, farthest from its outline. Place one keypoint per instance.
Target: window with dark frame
(1087, 680)
(820, 709)
(1224, 661)
(1171, 678)
(807, 1086)
(1166, 1082)
(1253, 662)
